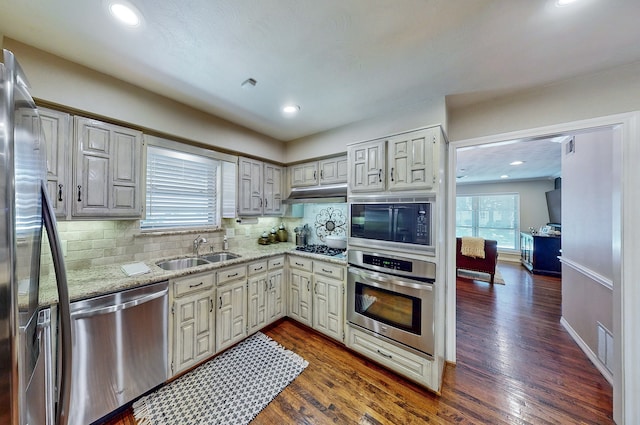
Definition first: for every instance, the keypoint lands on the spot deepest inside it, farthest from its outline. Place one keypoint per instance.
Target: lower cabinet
(275, 291)
(316, 295)
(328, 296)
(404, 362)
(300, 301)
(192, 321)
(265, 295)
(231, 310)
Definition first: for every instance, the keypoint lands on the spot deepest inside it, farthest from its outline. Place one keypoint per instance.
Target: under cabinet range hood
(317, 194)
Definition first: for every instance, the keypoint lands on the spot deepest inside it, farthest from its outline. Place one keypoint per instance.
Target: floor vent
(605, 347)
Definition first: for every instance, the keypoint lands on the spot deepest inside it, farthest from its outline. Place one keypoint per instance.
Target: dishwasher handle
(95, 311)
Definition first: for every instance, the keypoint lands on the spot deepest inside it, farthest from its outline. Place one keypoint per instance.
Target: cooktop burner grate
(321, 249)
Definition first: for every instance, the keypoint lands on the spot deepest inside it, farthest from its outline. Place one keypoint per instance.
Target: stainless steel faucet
(196, 244)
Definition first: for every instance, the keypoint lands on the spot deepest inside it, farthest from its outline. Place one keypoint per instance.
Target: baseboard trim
(585, 348)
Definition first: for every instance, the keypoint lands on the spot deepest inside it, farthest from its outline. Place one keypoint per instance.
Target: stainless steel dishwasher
(119, 350)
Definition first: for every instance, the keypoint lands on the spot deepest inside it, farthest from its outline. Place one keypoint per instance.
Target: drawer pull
(196, 285)
(79, 194)
(327, 271)
(211, 309)
(276, 264)
(220, 307)
(299, 264)
(315, 289)
(389, 356)
(59, 193)
(233, 275)
(257, 268)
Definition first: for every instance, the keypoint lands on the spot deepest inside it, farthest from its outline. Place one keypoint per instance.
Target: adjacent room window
(181, 189)
(494, 216)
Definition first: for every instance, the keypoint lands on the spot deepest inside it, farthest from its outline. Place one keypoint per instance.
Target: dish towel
(472, 247)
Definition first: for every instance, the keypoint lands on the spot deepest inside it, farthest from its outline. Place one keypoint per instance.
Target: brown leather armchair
(483, 265)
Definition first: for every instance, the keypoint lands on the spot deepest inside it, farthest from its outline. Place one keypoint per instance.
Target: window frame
(475, 212)
(186, 149)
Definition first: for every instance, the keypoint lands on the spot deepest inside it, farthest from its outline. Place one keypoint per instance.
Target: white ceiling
(341, 61)
(541, 159)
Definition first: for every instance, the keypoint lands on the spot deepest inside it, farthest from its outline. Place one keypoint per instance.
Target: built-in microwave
(404, 224)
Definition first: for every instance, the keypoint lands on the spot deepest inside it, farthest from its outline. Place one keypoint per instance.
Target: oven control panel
(388, 263)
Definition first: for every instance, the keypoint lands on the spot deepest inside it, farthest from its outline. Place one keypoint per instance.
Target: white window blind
(181, 190)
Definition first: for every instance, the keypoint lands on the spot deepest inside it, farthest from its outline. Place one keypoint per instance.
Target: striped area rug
(230, 389)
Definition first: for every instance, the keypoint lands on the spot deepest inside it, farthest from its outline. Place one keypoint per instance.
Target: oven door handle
(385, 279)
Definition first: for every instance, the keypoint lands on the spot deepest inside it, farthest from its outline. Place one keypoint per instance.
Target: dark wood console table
(539, 253)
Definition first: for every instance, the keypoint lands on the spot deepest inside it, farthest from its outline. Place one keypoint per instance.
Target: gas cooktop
(321, 249)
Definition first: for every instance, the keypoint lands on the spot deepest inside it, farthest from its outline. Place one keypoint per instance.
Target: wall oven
(393, 297)
(394, 223)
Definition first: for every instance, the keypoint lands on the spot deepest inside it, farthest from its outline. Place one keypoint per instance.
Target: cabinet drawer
(276, 263)
(190, 284)
(404, 362)
(332, 270)
(231, 274)
(301, 263)
(257, 267)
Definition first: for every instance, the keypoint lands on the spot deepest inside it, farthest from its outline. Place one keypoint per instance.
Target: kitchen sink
(182, 263)
(220, 256)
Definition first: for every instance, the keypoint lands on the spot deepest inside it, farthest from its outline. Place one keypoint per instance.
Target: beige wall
(57, 80)
(587, 208)
(605, 93)
(429, 113)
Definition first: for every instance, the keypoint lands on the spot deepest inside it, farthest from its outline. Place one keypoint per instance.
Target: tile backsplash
(96, 243)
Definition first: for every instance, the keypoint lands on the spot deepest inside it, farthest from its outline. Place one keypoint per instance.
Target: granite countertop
(96, 281)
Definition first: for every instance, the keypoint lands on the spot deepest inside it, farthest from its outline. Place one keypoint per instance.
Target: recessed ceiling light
(125, 13)
(516, 163)
(504, 176)
(561, 3)
(291, 109)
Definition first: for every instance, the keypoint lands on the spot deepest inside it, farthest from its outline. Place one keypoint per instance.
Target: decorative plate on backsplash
(330, 221)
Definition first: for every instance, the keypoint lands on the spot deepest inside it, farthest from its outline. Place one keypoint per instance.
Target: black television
(554, 206)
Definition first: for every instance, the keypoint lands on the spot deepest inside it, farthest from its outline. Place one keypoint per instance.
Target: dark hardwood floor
(515, 365)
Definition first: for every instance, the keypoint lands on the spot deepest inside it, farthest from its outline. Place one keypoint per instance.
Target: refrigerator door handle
(49, 217)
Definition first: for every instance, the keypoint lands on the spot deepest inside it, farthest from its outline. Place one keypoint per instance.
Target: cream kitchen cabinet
(410, 159)
(192, 321)
(328, 299)
(405, 362)
(275, 291)
(257, 296)
(265, 293)
(367, 165)
(107, 177)
(300, 295)
(56, 126)
(304, 174)
(402, 162)
(260, 188)
(231, 310)
(332, 170)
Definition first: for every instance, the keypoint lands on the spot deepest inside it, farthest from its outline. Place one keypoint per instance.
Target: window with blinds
(181, 190)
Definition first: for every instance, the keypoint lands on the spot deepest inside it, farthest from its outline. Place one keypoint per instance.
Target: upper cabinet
(260, 188)
(400, 162)
(56, 127)
(326, 171)
(107, 173)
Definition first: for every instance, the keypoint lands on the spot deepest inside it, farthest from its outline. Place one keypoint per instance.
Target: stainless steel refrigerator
(27, 221)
